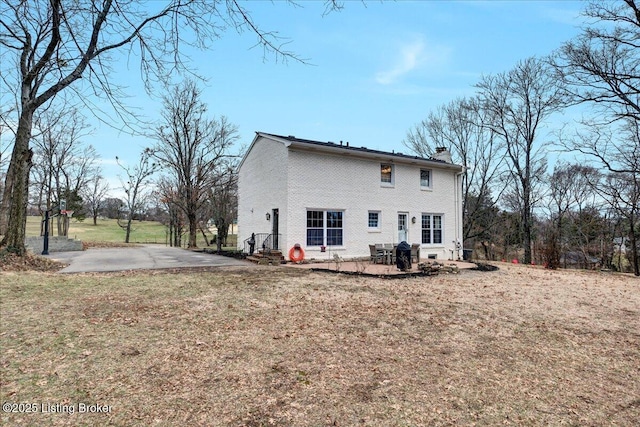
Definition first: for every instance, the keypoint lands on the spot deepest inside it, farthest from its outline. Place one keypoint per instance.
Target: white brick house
(344, 198)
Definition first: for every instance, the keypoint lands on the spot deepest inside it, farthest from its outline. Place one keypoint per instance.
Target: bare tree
(167, 192)
(570, 194)
(223, 199)
(601, 67)
(622, 192)
(48, 45)
(94, 195)
(62, 163)
(616, 147)
(134, 186)
(518, 103)
(192, 147)
(460, 126)
(112, 207)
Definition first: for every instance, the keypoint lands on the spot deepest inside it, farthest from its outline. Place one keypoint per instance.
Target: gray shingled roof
(346, 146)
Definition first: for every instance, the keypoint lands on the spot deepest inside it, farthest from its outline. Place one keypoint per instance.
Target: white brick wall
(318, 180)
(262, 181)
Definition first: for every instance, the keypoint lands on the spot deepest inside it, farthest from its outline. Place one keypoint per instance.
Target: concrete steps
(268, 257)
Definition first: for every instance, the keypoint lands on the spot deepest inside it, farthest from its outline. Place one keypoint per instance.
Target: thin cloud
(571, 17)
(412, 57)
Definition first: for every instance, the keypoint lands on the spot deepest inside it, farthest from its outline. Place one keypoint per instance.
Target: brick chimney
(442, 154)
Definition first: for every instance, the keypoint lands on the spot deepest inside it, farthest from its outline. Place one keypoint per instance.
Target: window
(431, 229)
(386, 173)
(315, 228)
(324, 228)
(374, 219)
(334, 228)
(425, 178)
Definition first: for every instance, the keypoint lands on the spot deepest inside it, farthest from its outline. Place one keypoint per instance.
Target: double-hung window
(386, 174)
(431, 229)
(315, 228)
(374, 220)
(425, 178)
(324, 228)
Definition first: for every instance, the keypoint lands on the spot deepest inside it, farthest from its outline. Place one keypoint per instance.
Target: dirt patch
(287, 346)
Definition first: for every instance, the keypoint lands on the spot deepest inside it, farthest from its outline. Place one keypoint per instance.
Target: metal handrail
(265, 241)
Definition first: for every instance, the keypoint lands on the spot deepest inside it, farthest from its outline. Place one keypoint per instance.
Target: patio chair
(415, 252)
(394, 248)
(375, 255)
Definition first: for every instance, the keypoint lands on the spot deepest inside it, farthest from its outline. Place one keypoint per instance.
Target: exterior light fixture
(268, 216)
(413, 220)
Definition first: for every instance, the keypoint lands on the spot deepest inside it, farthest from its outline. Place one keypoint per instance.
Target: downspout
(459, 244)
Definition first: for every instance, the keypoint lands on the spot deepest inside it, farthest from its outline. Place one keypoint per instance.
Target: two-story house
(335, 198)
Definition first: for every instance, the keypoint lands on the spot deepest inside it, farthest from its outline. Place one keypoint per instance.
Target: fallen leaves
(29, 262)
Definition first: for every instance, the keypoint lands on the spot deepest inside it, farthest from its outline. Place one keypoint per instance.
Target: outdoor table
(387, 254)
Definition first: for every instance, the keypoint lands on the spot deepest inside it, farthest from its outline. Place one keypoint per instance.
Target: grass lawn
(262, 346)
(108, 230)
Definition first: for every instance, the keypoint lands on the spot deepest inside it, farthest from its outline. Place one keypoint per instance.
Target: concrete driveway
(143, 257)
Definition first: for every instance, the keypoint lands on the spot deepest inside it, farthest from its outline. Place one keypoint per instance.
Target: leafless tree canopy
(601, 70)
(48, 45)
(193, 148)
(460, 127)
(61, 160)
(602, 65)
(518, 102)
(94, 195)
(135, 185)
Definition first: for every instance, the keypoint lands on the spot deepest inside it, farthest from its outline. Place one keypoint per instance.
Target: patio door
(403, 230)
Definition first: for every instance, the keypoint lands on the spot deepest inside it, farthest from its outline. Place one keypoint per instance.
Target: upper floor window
(425, 178)
(386, 173)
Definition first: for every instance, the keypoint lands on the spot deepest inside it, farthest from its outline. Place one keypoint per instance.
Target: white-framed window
(374, 220)
(425, 178)
(325, 228)
(432, 229)
(386, 174)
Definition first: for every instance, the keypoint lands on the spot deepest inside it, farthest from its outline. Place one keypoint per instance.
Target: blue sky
(377, 69)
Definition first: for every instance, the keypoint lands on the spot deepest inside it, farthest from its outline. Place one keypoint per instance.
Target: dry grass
(281, 346)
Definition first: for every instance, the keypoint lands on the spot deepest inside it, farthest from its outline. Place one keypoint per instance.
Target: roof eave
(380, 156)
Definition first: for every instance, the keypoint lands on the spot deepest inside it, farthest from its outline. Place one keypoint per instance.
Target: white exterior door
(403, 230)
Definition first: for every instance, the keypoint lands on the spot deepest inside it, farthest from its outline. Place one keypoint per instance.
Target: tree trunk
(634, 246)
(223, 230)
(193, 229)
(206, 239)
(526, 229)
(128, 229)
(5, 205)
(172, 228)
(16, 195)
